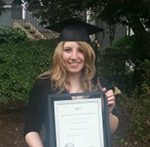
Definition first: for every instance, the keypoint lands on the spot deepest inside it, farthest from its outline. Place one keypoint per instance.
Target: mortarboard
(74, 30)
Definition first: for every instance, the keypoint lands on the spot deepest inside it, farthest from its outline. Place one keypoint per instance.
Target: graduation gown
(37, 116)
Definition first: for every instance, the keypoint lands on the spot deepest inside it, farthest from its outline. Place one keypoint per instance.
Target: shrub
(140, 121)
(122, 60)
(125, 63)
(8, 35)
(20, 64)
(113, 63)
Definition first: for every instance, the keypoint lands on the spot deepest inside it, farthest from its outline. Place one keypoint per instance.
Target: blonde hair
(58, 73)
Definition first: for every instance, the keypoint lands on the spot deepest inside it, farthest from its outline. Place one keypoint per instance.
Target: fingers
(104, 89)
(110, 99)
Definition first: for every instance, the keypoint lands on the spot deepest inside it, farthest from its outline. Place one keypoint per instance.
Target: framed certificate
(78, 120)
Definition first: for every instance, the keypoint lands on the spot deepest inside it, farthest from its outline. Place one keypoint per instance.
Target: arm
(34, 116)
(113, 122)
(33, 140)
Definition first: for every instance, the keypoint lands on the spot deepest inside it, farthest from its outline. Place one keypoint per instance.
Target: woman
(72, 71)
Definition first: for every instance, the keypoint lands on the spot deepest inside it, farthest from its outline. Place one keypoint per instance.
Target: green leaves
(8, 35)
(20, 64)
(125, 65)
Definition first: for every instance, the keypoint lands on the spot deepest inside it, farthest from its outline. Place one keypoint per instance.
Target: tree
(112, 11)
(135, 15)
(132, 13)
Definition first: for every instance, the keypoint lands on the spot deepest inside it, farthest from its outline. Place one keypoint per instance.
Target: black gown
(37, 116)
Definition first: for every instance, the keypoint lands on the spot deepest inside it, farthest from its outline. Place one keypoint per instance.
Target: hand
(110, 99)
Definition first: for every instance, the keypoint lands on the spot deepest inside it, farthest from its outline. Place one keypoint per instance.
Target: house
(7, 16)
(18, 16)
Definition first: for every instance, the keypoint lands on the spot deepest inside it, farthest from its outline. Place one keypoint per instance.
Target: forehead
(71, 44)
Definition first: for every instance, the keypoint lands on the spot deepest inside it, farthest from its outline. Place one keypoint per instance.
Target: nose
(74, 55)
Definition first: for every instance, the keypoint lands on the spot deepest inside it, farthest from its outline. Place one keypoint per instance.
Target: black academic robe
(37, 109)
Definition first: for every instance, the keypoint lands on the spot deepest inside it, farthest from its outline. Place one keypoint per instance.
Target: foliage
(113, 60)
(117, 11)
(140, 116)
(8, 34)
(114, 11)
(122, 60)
(125, 65)
(127, 60)
(20, 64)
(131, 13)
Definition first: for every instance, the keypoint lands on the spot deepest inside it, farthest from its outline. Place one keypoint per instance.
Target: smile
(74, 62)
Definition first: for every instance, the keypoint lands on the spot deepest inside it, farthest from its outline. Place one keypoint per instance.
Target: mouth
(74, 63)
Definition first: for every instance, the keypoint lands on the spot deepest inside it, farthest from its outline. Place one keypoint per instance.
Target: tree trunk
(140, 32)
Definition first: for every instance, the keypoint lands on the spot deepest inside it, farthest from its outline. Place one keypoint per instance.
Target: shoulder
(42, 81)
(41, 84)
(102, 82)
(98, 79)
(39, 90)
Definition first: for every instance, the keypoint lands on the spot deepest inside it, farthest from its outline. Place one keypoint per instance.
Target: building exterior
(17, 16)
(12, 11)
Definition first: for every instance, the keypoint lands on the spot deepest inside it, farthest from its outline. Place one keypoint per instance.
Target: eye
(67, 50)
(80, 50)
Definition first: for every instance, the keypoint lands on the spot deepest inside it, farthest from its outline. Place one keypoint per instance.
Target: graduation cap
(74, 30)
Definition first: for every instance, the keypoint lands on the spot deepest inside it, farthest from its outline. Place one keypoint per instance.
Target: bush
(20, 64)
(140, 121)
(122, 60)
(126, 65)
(113, 63)
(8, 35)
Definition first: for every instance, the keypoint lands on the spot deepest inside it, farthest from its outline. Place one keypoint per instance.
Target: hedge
(8, 34)
(20, 64)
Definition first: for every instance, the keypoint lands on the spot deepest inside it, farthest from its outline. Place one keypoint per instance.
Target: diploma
(78, 123)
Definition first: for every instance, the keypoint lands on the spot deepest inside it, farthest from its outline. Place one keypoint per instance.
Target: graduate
(73, 71)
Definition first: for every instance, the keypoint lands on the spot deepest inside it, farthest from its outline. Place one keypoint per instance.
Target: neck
(74, 84)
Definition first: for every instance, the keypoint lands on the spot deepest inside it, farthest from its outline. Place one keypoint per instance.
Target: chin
(74, 71)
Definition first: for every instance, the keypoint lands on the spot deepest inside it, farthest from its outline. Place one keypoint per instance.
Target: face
(73, 57)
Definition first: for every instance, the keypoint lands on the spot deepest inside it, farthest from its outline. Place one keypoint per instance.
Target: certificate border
(67, 96)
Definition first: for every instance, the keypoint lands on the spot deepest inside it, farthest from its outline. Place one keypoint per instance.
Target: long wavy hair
(58, 72)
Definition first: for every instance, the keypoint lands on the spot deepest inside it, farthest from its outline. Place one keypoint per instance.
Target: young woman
(72, 71)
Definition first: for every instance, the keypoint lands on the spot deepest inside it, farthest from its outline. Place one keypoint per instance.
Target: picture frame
(78, 119)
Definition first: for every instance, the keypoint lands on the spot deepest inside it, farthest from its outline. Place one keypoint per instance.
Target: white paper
(79, 123)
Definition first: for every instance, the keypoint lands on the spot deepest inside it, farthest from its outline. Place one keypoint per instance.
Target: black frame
(67, 96)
